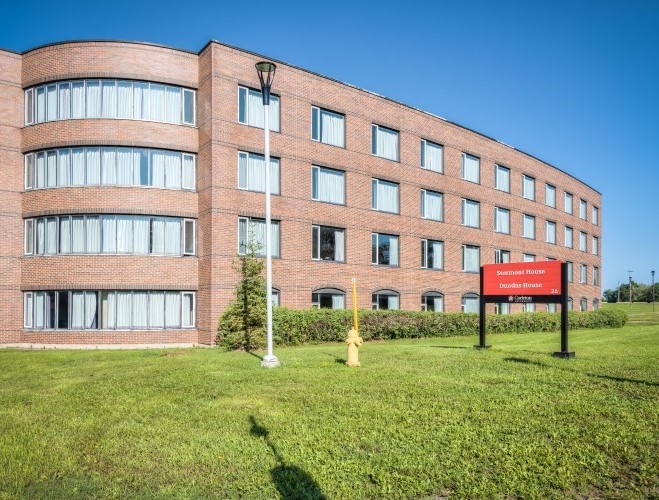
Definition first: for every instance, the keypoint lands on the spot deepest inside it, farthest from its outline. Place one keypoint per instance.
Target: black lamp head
(266, 72)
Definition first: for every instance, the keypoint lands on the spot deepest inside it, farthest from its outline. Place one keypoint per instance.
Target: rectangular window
(567, 202)
(250, 109)
(569, 271)
(501, 256)
(471, 260)
(189, 174)
(29, 107)
(470, 213)
(583, 209)
(596, 276)
(327, 243)
(124, 99)
(568, 237)
(188, 312)
(173, 104)
(550, 232)
(432, 156)
(384, 249)
(583, 272)
(92, 99)
(502, 220)
(109, 98)
(596, 244)
(583, 241)
(189, 107)
(28, 309)
(432, 205)
(528, 188)
(595, 215)
(251, 173)
(550, 196)
(432, 254)
(528, 257)
(41, 104)
(384, 142)
(528, 226)
(384, 196)
(189, 236)
(471, 168)
(29, 171)
(29, 237)
(502, 178)
(327, 127)
(251, 236)
(51, 102)
(328, 185)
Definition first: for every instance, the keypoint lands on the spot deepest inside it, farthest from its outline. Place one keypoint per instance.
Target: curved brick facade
(216, 74)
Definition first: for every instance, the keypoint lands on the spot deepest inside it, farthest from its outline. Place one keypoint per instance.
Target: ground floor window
(583, 304)
(529, 308)
(470, 303)
(551, 308)
(328, 298)
(502, 308)
(385, 299)
(432, 301)
(596, 304)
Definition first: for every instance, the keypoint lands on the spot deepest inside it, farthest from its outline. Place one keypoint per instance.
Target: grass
(421, 419)
(639, 312)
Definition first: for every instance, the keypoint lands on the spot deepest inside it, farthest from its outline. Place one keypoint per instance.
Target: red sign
(522, 278)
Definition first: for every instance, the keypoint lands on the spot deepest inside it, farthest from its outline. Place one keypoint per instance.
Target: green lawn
(420, 419)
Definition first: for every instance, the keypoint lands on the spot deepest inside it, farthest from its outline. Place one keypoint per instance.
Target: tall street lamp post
(630, 287)
(266, 72)
(652, 290)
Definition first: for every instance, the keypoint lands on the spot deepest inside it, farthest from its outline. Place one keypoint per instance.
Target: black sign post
(481, 318)
(564, 352)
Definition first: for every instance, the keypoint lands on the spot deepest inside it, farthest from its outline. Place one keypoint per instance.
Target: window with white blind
(251, 172)
(583, 273)
(502, 178)
(502, 220)
(528, 257)
(328, 298)
(595, 245)
(471, 168)
(384, 249)
(251, 236)
(432, 301)
(583, 209)
(114, 99)
(550, 195)
(328, 185)
(110, 234)
(384, 196)
(432, 156)
(568, 237)
(470, 303)
(550, 232)
(528, 187)
(501, 256)
(109, 310)
(385, 300)
(328, 243)
(570, 271)
(583, 241)
(432, 254)
(595, 215)
(432, 205)
(250, 109)
(567, 203)
(110, 166)
(470, 213)
(528, 226)
(384, 142)
(471, 259)
(327, 127)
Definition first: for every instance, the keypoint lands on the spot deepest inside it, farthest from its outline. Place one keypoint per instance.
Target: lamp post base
(270, 362)
(482, 346)
(564, 354)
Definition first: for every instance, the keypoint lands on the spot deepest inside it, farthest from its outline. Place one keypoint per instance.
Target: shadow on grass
(341, 361)
(291, 481)
(525, 361)
(449, 347)
(255, 355)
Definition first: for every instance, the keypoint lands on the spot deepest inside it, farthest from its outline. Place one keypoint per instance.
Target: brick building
(132, 174)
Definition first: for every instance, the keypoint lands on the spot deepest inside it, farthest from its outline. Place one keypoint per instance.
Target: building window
(570, 306)
(501, 256)
(470, 213)
(596, 276)
(583, 209)
(583, 304)
(570, 272)
(251, 173)
(109, 310)
(550, 195)
(432, 301)
(528, 187)
(567, 201)
(250, 109)
(327, 127)
(432, 254)
(110, 234)
(596, 304)
(528, 257)
(583, 273)
(596, 245)
(328, 185)
(384, 249)
(502, 178)
(251, 236)
(550, 232)
(528, 226)
(432, 156)
(595, 215)
(470, 303)
(384, 142)
(328, 298)
(568, 237)
(110, 99)
(502, 308)
(432, 205)
(384, 196)
(276, 297)
(327, 243)
(471, 258)
(529, 308)
(583, 239)
(385, 299)
(110, 166)
(471, 168)
(502, 220)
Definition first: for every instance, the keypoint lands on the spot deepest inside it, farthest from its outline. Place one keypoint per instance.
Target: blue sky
(573, 83)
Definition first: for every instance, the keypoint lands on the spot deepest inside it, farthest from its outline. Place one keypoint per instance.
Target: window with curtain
(583, 239)
(550, 232)
(327, 127)
(432, 205)
(251, 173)
(502, 220)
(550, 196)
(385, 300)
(583, 209)
(432, 156)
(470, 213)
(567, 203)
(384, 196)
(251, 236)
(502, 308)
(596, 244)
(327, 243)
(502, 178)
(432, 301)
(528, 187)
(328, 298)
(595, 215)
(384, 142)
(250, 109)
(432, 254)
(384, 249)
(501, 256)
(471, 168)
(529, 308)
(596, 276)
(327, 185)
(570, 271)
(528, 226)
(471, 258)
(470, 303)
(568, 237)
(528, 257)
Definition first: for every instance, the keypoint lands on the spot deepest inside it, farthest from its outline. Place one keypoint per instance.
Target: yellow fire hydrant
(354, 340)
